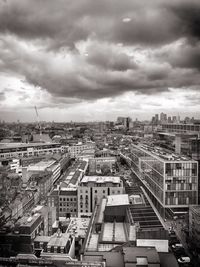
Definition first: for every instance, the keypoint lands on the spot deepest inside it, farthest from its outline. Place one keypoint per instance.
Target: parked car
(184, 260)
(177, 245)
(173, 240)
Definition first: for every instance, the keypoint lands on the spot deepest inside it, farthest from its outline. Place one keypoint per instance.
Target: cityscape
(99, 133)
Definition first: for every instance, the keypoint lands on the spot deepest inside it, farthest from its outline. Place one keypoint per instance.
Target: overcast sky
(99, 59)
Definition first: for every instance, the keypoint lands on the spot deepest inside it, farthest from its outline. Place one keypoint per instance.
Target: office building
(163, 117)
(181, 127)
(170, 180)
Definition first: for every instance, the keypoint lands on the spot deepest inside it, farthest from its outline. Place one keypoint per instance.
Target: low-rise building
(55, 245)
(93, 188)
(115, 221)
(75, 150)
(97, 165)
(20, 150)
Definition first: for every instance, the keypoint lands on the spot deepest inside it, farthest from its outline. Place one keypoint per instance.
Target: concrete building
(181, 127)
(50, 166)
(75, 150)
(96, 164)
(64, 196)
(16, 209)
(115, 221)
(68, 204)
(20, 150)
(49, 217)
(125, 256)
(55, 245)
(163, 117)
(93, 188)
(170, 180)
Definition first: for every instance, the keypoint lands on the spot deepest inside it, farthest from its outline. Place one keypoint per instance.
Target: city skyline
(88, 60)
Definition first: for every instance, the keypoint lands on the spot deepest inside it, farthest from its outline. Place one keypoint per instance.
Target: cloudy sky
(99, 59)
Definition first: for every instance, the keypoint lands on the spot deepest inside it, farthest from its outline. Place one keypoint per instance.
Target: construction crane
(38, 122)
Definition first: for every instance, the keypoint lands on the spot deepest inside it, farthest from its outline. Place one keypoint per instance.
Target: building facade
(170, 179)
(181, 127)
(93, 188)
(20, 150)
(75, 150)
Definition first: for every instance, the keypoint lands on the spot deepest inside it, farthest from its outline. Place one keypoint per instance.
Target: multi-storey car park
(170, 180)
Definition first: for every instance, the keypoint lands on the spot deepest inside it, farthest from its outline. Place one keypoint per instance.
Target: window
(95, 191)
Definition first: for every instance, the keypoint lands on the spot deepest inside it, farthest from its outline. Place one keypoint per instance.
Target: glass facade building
(171, 179)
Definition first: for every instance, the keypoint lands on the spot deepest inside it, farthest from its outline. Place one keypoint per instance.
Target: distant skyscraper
(174, 119)
(156, 118)
(163, 117)
(169, 120)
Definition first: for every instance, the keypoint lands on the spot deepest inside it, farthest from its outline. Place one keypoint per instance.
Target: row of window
(68, 204)
(68, 199)
(67, 209)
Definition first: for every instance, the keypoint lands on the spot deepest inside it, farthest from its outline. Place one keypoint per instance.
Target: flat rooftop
(41, 165)
(25, 145)
(58, 240)
(101, 179)
(78, 226)
(162, 153)
(28, 220)
(118, 200)
(131, 254)
(114, 232)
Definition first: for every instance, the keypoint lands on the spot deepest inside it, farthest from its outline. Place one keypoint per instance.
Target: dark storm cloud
(189, 15)
(71, 48)
(64, 22)
(184, 55)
